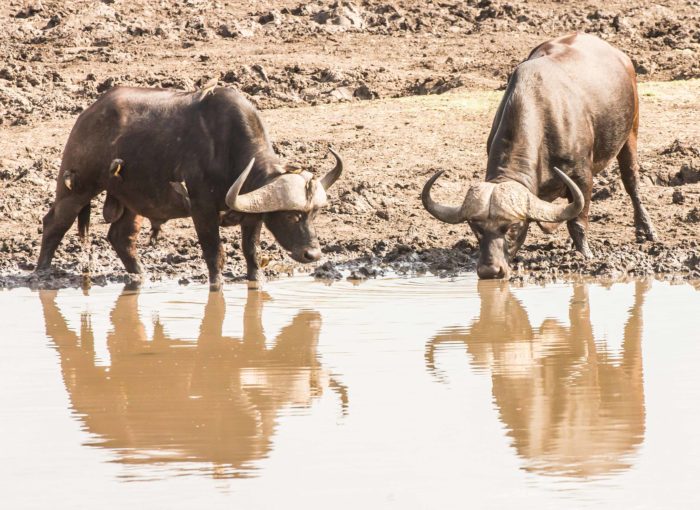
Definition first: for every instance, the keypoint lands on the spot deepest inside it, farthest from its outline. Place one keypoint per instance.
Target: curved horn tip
(576, 193)
(235, 188)
(429, 183)
(541, 210)
(337, 157)
(335, 154)
(437, 175)
(448, 214)
(329, 179)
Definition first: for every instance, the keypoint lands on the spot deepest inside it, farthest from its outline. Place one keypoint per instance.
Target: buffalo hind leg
(56, 223)
(250, 232)
(578, 227)
(156, 226)
(123, 234)
(206, 223)
(629, 171)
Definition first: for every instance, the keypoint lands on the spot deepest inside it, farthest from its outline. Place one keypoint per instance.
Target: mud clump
(327, 271)
(688, 174)
(364, 273)
(436, 85)
(678, 197)
(341, 14)
(682, 148)
(693, 216)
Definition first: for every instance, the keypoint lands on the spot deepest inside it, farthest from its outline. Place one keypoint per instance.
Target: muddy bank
(555, 260)
(374, 223)
(401, 89)
(60, 55)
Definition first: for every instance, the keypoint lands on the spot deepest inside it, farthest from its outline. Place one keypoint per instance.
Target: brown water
(403, 393)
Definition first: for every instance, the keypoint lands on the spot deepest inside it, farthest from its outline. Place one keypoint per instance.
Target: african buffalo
(572, 105)
(165, 154)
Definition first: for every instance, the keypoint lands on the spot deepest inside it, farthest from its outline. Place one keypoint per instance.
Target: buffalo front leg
(578, 227)
(206, 223)
(57, 222)
(629, 171)
(250, 232)
(123, 234)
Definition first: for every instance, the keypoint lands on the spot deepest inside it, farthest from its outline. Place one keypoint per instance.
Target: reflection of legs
(75, 350)
(206, 223)
(57, 222)
(578, 227)
(581, 334)
(253, 335)
(632, 341)
(629, 171)
(129, 333)
(122, 235)
(213, 321)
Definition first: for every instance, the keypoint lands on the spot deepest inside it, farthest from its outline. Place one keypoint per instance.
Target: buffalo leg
(155, 231)
(578, 227)
(122, 235)
(629, 171)
(206, 223)
(57, 222)
(250, 231)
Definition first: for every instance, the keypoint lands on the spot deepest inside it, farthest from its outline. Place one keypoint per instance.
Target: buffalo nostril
(312, 255)
(490, 271)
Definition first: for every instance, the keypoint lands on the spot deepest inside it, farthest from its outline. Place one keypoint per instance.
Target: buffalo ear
(113, 209)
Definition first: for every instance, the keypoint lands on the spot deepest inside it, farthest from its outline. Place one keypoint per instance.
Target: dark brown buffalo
(572, 105)
(164, 154)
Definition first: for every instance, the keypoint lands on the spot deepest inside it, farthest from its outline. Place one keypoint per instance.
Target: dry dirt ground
(400, 89)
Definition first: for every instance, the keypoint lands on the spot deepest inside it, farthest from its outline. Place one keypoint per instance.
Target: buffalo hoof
(646, 234)
(255, 284)
(132, 286)
(40, 273)
(586, 252)
(133, 279)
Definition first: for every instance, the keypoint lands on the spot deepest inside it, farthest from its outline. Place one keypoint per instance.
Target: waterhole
(396, 393)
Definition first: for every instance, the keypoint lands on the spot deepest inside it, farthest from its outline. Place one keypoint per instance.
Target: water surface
(397, 393)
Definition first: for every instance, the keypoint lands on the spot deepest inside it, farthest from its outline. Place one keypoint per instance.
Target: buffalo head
(289, 204)
(499, 215)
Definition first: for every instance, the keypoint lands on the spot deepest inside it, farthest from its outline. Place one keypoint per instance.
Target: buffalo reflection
(569, 405)
(169, 400)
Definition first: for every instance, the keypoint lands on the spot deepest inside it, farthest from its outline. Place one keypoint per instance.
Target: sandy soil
(400, 89)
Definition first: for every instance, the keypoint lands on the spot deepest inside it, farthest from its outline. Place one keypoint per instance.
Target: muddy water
(406, 393)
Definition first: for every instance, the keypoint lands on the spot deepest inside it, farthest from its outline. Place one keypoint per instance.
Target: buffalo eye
(513, 229)
(294, 217)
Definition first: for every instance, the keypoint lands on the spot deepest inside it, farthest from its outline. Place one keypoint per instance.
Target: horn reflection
(570, 406)
(167, 401)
